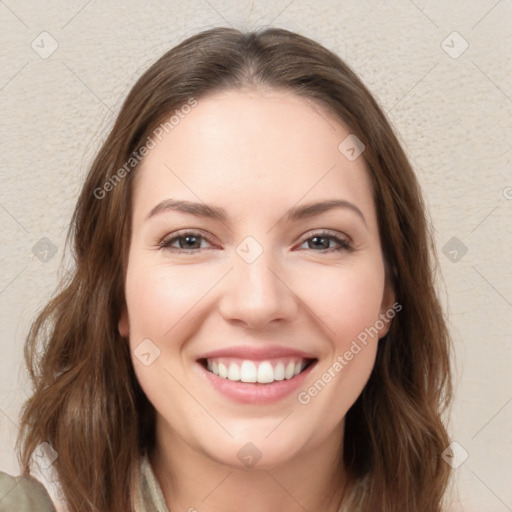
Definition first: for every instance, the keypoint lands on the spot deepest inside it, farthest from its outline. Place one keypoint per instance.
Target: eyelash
(165, 243)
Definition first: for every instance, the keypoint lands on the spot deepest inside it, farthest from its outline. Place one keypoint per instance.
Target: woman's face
(240, 276)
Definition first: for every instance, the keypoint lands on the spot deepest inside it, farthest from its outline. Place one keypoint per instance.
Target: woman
(252, 322)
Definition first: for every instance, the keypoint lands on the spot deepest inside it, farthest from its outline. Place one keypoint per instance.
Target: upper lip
(257, 353)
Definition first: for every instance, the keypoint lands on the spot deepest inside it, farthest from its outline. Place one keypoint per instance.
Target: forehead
(252, 148)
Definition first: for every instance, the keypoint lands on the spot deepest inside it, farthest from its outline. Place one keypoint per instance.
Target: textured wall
(440, 69)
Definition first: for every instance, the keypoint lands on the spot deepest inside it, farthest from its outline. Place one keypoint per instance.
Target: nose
(258, 293)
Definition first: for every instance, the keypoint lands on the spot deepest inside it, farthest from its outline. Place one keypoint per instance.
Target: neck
(192, 481)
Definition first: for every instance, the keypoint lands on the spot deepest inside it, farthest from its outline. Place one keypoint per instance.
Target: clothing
(150, 497)
(26, 494)
(23, 494)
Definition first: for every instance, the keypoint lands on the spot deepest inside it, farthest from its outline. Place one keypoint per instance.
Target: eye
(322, 240)
(188, 241)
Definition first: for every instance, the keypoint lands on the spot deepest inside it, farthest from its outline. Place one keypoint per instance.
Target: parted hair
(87, 403)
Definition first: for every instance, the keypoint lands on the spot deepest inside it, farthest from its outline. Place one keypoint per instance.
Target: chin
(256, 449)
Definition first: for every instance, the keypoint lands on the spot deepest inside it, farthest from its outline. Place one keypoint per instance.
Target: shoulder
(23, 494)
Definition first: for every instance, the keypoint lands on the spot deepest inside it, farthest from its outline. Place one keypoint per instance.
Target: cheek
(348, 301)
(162, 306)
(161, 299)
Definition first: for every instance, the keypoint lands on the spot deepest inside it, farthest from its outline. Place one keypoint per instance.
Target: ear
(388, 308)
(123, 326)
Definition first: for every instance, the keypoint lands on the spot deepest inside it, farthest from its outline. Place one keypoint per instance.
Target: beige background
(451, 107)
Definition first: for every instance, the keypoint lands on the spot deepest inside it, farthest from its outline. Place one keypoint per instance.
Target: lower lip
(256, 393)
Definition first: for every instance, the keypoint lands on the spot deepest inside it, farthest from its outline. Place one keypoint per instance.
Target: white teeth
(234, 372)
(279, 371)
(223, 371)
(249, 371)
(265, 373)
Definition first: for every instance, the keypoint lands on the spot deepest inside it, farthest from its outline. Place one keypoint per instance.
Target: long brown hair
(87, 403)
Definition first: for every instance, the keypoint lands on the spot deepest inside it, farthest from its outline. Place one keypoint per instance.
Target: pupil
(320, 238)
(189, 238)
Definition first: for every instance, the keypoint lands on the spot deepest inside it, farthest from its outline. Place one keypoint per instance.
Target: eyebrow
(217, 213)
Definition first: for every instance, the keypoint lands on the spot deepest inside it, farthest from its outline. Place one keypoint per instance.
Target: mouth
(259, 375)
(257, 371)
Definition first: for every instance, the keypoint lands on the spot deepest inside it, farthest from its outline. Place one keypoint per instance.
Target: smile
(258, 374)
(262, 372)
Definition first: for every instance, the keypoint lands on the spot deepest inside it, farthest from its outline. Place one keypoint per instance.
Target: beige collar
(150, 497)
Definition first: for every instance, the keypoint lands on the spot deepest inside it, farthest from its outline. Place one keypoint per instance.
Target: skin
(255, 153)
